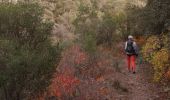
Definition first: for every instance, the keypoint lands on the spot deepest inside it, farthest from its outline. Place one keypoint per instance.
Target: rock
(166, 89)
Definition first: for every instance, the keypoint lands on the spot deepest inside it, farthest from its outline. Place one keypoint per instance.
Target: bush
(89, 43)
(86, 25)
(156, 52)
(27, 57)
(107, 30)
(96, 27)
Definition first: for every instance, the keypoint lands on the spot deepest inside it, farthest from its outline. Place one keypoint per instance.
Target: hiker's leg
(133, 62)
(129, 62)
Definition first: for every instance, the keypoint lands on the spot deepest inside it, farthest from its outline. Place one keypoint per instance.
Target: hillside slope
(106, 78)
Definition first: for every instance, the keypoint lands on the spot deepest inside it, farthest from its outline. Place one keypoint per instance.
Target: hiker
(131, 52)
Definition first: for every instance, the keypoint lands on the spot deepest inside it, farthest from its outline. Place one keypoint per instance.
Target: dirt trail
(139, 84)
(105, 79)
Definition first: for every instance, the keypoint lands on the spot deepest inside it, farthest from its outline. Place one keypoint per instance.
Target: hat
(130, 37)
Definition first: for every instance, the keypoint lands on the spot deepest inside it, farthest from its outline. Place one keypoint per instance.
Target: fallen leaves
(104, 91)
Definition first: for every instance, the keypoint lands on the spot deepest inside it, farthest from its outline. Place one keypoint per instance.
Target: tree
(151, 18)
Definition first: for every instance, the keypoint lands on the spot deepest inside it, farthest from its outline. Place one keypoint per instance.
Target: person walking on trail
(131, 52)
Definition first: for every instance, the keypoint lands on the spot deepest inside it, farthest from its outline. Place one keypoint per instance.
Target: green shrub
(89, 42)
(99, 26)
(107, 30)
(86, 25)
(26, 55)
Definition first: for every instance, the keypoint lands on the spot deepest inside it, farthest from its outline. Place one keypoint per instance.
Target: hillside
(84, 50)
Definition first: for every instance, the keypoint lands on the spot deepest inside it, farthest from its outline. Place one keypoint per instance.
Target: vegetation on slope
(27, 56)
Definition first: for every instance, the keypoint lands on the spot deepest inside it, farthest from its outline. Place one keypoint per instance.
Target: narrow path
(140, 85)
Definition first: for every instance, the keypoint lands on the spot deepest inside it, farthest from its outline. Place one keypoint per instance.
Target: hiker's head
(130, 37)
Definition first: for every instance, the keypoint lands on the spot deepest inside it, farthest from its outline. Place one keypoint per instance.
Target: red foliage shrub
(62, 84)
(167, 75)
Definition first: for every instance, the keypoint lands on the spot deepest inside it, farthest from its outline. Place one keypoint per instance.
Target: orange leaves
(100, 79)
(63, 84)
(104, 91)
(81, 57)
(67, 81)
(140, 40)
(57, 93)
(167, 75)
(75, 66)
(54, 91)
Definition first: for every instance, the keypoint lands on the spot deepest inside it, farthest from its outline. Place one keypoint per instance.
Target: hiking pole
(140, 60)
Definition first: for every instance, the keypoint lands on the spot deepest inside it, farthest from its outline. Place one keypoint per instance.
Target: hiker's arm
(125, 45)
(136, 48)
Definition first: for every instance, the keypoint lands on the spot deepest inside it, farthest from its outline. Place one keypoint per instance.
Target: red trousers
(131, 61)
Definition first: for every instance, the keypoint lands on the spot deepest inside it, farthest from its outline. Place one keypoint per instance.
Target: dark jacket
(134, 46)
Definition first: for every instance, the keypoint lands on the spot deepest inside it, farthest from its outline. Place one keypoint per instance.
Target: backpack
(130, 49)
